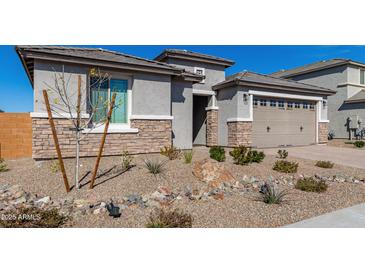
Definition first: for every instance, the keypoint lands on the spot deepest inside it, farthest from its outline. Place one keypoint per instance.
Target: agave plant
(271, 195)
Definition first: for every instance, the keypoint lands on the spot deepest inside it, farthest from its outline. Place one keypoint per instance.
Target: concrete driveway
(338, 155)
(350, 217)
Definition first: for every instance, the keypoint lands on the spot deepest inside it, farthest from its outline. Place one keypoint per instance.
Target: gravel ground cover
(343, 143)
(234, 210)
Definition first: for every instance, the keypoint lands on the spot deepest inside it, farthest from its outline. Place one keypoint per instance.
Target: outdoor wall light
(245, 97)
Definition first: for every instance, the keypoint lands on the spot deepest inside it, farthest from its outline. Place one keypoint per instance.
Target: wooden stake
(102, 142)
(55, 139)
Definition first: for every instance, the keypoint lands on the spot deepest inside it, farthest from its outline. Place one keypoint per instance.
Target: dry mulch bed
(236, 210)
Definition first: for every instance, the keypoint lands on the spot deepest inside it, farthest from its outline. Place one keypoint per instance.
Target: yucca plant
(154, 167)
(188, 156)
(271, 195)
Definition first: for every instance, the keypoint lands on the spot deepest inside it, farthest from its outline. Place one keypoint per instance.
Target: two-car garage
(283, 122)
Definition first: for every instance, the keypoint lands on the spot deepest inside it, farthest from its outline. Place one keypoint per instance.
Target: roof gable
(317, 66)
(247, 78)
(193, 56)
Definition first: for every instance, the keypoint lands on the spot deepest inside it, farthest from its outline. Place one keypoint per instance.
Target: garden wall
(15, 135)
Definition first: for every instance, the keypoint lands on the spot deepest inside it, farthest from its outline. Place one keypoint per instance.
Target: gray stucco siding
(151, 93)
(213, 73)
(182, 111)
(337, 110)
(228, 108)
(44, 78)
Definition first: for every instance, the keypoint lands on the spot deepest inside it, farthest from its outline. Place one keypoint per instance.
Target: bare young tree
(84, 110)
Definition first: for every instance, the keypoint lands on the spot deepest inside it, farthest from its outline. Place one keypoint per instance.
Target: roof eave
(165, 55)
(22, 59)
(310, 70)
(239, 82)
(99, 63)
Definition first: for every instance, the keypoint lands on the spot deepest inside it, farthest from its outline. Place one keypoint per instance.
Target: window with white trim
(272, 103)
(101, 93)
(297, 105)
(305, 106)
(362, 77)
(281, 104)
(263, 102)
(289, 105)
(200, 71)
(255, 102)
(311, 106)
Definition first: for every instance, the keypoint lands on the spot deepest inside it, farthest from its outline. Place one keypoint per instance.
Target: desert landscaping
(213, 193)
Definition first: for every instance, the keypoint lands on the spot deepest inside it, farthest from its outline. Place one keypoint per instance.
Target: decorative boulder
(212, 173)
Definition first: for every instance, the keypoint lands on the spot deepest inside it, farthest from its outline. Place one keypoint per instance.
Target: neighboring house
(346, 109)
(181, 98)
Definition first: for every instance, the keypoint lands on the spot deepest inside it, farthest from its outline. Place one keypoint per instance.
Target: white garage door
(282, 122)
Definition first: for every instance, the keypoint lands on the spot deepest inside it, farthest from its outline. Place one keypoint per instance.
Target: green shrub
(243, 155)
(311, 185)
(33, 218)
(155, 167)
(217, 153)
(171, 152)
(282, 154)
(55, 167)
(3, 165)
(359, 144)
(126, 160)
(325, 164)
(271, 195)
(188, 156)
(161, 218)
(285, 166)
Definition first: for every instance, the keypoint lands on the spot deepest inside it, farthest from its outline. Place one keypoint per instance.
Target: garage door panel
(274, 126)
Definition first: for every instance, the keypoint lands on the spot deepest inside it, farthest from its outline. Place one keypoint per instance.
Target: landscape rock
(44, 200)
(212, 173)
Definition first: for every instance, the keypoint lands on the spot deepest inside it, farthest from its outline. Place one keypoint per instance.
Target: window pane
(120, 88)
(99, 99)
(362, 77)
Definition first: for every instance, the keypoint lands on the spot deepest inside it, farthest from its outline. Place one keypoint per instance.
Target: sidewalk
(350, 217)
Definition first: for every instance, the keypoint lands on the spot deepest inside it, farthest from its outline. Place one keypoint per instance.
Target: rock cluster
(13, 197)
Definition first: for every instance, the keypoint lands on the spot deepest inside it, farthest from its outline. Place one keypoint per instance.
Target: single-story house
(180, 98)
(346, 109)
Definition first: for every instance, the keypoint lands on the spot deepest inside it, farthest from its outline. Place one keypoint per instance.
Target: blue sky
(16, 93)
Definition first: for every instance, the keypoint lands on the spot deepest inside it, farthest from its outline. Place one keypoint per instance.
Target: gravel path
(238, 210)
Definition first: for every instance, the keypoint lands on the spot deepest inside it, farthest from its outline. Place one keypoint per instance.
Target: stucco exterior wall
(151, 93)
(231, 104)
(331, 78)
(182, 111)
(44, 78)
(213, 73)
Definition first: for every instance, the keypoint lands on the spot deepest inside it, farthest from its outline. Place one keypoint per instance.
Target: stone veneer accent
(212, 127)
(239, 134)
(322, 132)
(151, 137)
